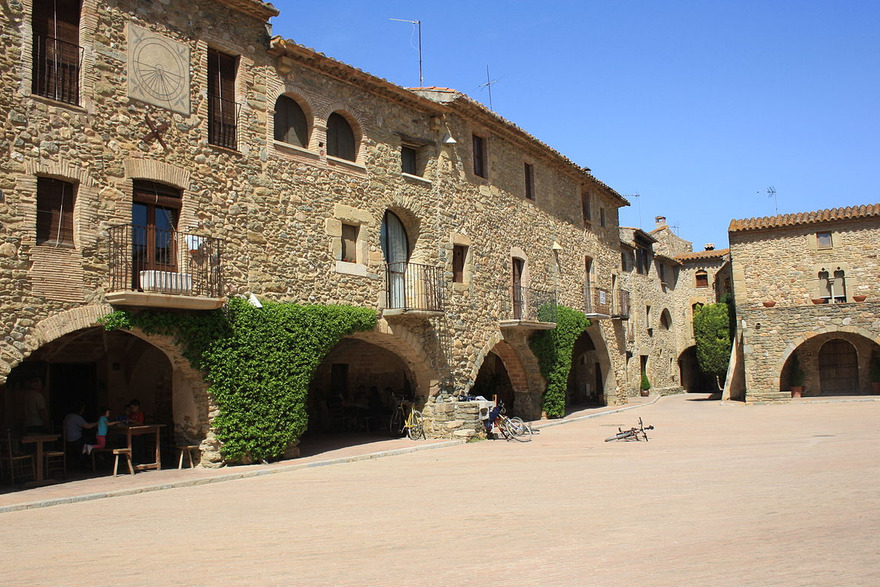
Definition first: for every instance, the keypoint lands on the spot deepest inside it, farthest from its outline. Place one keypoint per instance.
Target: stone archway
(592, 379)
(190, 405)
(834, 362)
(521, 370)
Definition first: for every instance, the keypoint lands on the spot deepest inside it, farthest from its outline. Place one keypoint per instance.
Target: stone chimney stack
(660, 221)
(710, 246)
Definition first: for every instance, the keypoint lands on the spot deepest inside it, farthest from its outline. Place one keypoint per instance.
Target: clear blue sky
(697, 106)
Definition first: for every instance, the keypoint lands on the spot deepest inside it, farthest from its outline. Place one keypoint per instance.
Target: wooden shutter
(55, 200)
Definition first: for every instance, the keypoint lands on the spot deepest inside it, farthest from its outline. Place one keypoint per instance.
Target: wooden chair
(19, 465)
(187, 449)
(118, 452)
(56, 460)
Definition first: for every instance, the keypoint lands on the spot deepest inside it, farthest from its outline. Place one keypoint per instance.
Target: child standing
(104, 424)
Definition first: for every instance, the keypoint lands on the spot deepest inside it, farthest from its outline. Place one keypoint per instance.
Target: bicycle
(412, 424)
(632, 434)
(510, 428)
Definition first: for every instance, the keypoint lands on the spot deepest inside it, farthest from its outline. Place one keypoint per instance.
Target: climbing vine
(553, 348)
(258, 363)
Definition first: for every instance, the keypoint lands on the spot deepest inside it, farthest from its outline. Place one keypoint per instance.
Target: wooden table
(39, 439)
(138, 430)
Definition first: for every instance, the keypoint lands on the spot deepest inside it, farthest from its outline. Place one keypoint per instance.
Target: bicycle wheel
(415, 426)
(521, 431)
(395, 427)
(504, 428)
(622, 435)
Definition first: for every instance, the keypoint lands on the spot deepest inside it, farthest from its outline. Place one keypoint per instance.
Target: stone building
(171, 155)
(806, 287)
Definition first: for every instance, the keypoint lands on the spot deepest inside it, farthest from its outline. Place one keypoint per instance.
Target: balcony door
(517, 269)
(395, 247)
(154, 212)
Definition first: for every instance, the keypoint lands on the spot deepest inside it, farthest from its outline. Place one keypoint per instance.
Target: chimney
(660, 221)
(710, 246)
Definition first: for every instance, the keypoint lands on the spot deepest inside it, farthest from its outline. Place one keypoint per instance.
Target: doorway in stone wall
(586, 378)
(493, 381)
(838, 368)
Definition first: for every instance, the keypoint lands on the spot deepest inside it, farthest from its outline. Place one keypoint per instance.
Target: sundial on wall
(158, 70)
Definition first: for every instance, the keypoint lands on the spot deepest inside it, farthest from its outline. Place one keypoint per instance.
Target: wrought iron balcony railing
(222, 122)
(56, 69)
(597, 300)
(153, 260)
(532, 305)
(411, 286)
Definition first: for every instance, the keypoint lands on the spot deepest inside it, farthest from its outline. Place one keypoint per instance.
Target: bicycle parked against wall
(411, 423)
(509, 428)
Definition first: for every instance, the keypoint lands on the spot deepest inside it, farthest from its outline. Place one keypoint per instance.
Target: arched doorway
(838, 368)
(353, 389)
(493, 380)
(396, 249)
(586, 379)
(692, 379)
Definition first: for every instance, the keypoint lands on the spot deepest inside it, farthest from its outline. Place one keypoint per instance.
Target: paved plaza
(723, 494)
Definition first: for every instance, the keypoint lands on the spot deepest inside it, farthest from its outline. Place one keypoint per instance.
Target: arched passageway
(692, 379)
(493, 381)
(831, 364)
(586, 380)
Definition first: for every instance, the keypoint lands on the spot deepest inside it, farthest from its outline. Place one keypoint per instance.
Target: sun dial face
(158, 70)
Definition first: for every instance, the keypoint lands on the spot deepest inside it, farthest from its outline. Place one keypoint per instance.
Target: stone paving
(723, 493)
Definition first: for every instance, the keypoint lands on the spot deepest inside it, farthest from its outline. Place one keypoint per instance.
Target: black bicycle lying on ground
(632, 434)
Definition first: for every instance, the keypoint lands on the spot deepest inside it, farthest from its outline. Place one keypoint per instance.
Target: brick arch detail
(159, 171)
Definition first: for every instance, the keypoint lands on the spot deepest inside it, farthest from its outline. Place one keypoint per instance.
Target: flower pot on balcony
(769, 303)
(860, 298)
(818, 301)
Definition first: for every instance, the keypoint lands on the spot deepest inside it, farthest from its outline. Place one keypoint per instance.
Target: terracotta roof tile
(698, 255)
(802, 218)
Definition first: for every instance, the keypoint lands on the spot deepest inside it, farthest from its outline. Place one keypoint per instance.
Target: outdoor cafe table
(39, 439)
(137, 430)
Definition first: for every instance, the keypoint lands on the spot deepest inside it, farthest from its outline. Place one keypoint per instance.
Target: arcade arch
(834, 363)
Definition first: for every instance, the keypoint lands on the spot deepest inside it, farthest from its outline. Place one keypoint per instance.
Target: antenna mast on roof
(488, 86)
(639, 198)
(771, 193)
(415, 23)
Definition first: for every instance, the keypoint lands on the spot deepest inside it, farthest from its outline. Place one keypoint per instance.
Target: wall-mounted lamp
(448, 140)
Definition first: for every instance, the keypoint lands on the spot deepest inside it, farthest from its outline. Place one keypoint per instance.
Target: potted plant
(796, 378)
(645, 386)
(874, 373)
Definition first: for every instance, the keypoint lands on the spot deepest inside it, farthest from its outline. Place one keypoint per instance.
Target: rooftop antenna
(639, 198)
(416, 24)
(771, 193)
(488, 85)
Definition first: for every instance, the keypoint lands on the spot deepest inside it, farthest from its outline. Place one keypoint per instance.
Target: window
(291, 125)
(479, 156)
(661, 272)
(586, 208)
(530, 181)
(56, 53)
(340, 138)
(409, 158)
(222, 109)
(643, 260)
(626, 260)
(702, 279)
(823, 240)
(459, 256)
(602, 217)
(55, 201)
(154, 213)
(348, 251)
(665, 319)
(832, 285)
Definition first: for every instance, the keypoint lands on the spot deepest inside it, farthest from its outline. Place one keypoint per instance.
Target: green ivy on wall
(553, 348)
(258, 364)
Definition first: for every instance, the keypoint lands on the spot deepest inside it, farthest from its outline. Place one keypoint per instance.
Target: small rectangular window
(222, 108)
(602, 217)
(349, 243)
(586, 208)
(55, 201)
(530, 181)
(479, 156)
(409, 160)
(702, 279)
(823, 240)
(459, 255)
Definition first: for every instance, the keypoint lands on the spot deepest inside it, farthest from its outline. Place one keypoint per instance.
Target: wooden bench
(126, 452)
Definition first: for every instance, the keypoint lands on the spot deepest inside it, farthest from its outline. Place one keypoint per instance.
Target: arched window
(290, 123)
(665, 319)
(340, 138)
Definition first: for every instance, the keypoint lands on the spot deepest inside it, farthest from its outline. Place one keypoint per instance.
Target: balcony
(222, 122)
(530, 309)
(155, 268)
(413, 290)
(56, 69)
(597, 302)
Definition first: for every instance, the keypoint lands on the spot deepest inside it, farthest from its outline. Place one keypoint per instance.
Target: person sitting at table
(36, 417)
(104, 424)
(74, 424)
(135, 415)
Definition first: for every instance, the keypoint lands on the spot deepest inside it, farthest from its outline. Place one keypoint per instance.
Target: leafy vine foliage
(258, 363)
(553, 348)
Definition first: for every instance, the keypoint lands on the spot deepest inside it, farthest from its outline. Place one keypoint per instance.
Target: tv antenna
(488, 85)
(771, 193)
(417, 24)
(639, 198)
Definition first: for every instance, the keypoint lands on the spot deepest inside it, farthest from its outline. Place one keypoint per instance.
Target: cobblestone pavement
(723, 494)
